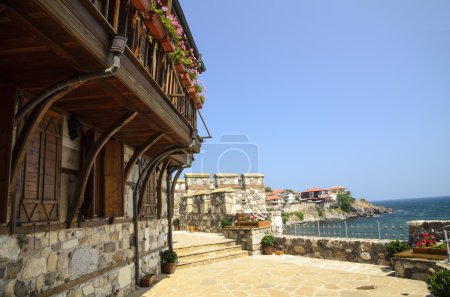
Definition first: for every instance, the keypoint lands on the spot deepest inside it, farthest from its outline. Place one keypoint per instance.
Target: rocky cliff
(359, 208)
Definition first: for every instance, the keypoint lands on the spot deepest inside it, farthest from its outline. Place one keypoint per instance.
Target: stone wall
(416, 228)
(248, 238)
(34, 263)
(419, 269)
(346, 249)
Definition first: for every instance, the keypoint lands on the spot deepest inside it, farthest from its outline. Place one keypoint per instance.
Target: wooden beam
(159, 189)
(90, 159)
(35, 117)
(170, 191)
(8, 99)
(138, 152)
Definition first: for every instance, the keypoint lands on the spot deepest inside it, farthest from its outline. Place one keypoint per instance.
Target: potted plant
(186, 78)
(170, 260)
(252, 220)
(225, 223)
(439, 283)
(176, 224)
(168, 44)
(429, 245)
(267, 242)
(155, 25)
(147, 280)
(141, 5)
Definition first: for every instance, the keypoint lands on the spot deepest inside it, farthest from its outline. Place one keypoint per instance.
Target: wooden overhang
(46, 41)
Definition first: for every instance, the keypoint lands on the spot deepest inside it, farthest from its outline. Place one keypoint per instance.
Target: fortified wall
(203, 202)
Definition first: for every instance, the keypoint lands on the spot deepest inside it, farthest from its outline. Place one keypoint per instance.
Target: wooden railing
(149, 52)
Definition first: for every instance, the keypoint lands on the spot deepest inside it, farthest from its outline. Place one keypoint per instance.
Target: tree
(345, 201)
(268, 189)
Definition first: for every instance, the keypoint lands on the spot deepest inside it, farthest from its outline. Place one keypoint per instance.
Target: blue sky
(353, 93)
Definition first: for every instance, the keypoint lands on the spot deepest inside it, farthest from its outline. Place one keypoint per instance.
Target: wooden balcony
(46, 41)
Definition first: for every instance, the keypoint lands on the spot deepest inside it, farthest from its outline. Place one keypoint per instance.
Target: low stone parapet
(419, 269)
(371, 251)
(416, 228)
(248, 238)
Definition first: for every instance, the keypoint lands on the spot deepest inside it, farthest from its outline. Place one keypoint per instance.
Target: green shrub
(397, 246)
(176, 222)
(439, 283)
(285, 217)
(319, 211)
(225, 223)
(299, 215)
(345, 202)
(169, 256)
(268, 240)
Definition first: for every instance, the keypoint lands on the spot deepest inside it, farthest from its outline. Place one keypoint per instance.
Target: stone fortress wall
(203, 202)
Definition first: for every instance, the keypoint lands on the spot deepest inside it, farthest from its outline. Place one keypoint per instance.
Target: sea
(384, 226)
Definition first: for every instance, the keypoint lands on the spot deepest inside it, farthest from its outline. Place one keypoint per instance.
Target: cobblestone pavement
(285, 276)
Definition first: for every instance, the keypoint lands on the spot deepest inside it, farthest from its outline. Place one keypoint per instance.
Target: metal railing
(348, 230)
(149, 52)
(446, 239)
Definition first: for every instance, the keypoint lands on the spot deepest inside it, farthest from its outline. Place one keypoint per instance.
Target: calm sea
(386, 226)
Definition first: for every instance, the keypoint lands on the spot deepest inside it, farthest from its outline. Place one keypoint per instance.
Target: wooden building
(94, 134)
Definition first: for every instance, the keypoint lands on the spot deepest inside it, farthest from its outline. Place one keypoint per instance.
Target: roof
(314, 190)
(277, 191)
(274, 198)
(338, 188)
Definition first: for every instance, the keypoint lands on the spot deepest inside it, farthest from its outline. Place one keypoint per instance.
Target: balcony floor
(284, 276)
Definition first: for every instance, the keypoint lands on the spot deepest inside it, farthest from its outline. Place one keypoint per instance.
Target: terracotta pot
(141, 5)
(155, 25)
(186, 79)
(167, 44)
(429, 251)
(176, 228)
(268, 250)
(181, 69)
(192, 92)
(191, 229)
(279, 253)
(169, 268)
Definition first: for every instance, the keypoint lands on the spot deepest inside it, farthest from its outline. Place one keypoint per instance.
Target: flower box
(155, 25)
(186, 79)
(181, 69)
(429, 251)
(147, 280)
(141, 5)
(259, 224)
(192, 92)
(168, 44)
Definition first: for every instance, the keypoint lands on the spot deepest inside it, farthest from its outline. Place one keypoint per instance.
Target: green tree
(345, 202)
(268, 189)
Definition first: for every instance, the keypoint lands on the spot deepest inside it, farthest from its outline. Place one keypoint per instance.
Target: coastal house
(315, 195)
(97, 122)
(288, 196)
(275, 199)
(333, 192)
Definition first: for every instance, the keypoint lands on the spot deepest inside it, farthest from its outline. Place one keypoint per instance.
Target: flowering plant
(428, 240)
(249, 217)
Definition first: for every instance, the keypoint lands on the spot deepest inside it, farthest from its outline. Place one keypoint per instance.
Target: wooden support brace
(139, 152)
(159, 189)
(35, 117)
(90, 159)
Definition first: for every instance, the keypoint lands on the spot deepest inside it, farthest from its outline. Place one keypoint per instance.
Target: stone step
(219, 244)
(212, 259)
(207, 252)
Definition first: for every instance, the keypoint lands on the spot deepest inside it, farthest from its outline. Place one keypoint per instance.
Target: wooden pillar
(8, 99)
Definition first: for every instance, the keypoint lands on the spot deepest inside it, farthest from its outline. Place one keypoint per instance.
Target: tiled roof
(314, 190)
(337, 188)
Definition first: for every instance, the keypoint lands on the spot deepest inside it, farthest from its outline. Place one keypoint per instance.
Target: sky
(322, 93)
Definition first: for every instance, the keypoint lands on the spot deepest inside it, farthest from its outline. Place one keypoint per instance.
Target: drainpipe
(118, 45)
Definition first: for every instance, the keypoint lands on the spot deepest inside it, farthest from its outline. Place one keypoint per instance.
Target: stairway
(207, 253)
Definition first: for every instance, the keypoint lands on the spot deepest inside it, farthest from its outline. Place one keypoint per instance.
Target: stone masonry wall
(248, 238)
(416, 228)
(33, 263)
(353, 250)
(419, 269)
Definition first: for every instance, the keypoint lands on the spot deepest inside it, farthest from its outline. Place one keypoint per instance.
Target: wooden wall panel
(113, 179)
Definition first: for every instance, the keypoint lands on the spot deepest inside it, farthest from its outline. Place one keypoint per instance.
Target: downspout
(117, 48)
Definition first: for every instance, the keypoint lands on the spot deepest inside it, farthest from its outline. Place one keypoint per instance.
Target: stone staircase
(207, 253)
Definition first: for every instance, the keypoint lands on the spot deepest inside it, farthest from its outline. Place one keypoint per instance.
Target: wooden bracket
(159, 189)
(138, 152)
(33, 121)
(90, 159)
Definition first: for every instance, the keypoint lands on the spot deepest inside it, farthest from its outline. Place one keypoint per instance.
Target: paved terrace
(280, 276)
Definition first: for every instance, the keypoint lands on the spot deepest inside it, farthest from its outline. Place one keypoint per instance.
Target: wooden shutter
(113, 179)
(39, 184)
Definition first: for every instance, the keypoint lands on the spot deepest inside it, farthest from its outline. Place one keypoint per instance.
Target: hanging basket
(155, 25)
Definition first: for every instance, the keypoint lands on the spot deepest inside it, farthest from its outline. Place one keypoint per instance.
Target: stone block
(84, 261)
(69, 244)
(9, 248)
(124, 278)
(34, 267)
